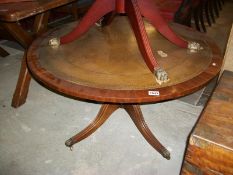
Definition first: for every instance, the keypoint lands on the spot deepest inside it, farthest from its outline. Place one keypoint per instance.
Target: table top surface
(106, 65)
(12, 12)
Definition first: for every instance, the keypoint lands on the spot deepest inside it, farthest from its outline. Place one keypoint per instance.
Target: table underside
(109, 58)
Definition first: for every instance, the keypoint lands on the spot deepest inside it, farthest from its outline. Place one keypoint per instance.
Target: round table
(105, 65)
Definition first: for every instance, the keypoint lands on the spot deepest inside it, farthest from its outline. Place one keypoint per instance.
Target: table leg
(3, 53)
(74, 10)
(93, 15)
(105, 112)
(136, 115)
(136, 10)
(137, 24)
(25, 39)
(134, 112)
(18, 33)
(21, 90)
(41, 23)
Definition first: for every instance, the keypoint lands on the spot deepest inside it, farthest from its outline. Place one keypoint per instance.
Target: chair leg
(196, 19)
(3, 53)
(215, 8)
(184, 14)
(201, 15)
(211, 10)
(207, 13)
(219, 4)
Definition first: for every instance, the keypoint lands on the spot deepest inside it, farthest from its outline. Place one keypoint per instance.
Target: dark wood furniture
(3, 53)
(210, 146)
(105, 65)
(10, 15)
(197, 10)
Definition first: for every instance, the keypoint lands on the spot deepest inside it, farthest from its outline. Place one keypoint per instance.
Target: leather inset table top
(109, 59)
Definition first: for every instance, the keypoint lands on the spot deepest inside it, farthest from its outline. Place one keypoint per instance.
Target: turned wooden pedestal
(106, 66)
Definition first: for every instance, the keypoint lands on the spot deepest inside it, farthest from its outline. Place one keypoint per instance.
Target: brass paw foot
(69, 143)
(194, 46)
(161, 76)
(54, 42)
(166, 154)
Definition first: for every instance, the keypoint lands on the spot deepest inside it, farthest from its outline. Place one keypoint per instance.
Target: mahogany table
(105, 65)
(10, 15)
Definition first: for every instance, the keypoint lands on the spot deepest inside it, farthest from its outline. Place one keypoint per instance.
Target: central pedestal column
(135, 114)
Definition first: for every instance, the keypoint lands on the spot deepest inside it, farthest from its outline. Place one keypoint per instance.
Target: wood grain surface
(13, 1)
(11, 12)
(210, 148)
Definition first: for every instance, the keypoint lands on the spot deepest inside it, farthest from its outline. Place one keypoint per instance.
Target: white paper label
(153, 93)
